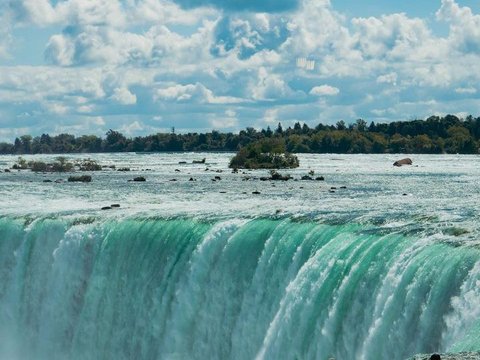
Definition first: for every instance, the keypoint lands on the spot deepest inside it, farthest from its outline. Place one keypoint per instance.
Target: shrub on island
(88, 165)
(264, 154)
(61, 164)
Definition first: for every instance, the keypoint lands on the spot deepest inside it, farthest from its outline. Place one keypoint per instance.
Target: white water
(182, 271)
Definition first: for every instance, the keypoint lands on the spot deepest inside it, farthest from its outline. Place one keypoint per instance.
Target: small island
(267, 153)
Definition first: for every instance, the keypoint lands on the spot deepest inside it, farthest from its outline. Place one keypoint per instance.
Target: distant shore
(434, 135)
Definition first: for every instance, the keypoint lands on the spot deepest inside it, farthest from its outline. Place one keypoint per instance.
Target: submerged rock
(139, 178)
(199, 161)
(82, 178)
(406, 161)
(306, 177)
(275, 176)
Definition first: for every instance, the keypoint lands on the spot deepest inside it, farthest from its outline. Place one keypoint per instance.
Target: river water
(374, 262)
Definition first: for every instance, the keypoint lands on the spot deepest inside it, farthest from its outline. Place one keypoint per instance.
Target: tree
(360, 125)
(279, 129)
(341, 125)
(115, 141)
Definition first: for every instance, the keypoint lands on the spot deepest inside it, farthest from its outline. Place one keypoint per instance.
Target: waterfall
(264, 288)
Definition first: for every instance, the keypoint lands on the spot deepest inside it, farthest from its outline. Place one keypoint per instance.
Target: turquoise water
(182, 271)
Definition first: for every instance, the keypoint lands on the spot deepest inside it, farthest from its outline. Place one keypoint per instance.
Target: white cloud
(270, 116)
(116, 13)
(230, 65)
(466, 90)
(324, 90)
(269, 86)
(5, 29)
(124, 96)
(132, 128)
(196, 93)
(390, 78)
(464, 26)
(393, 35)
(230, 113)
(224, 123)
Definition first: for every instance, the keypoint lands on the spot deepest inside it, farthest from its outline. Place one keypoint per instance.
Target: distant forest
(434, 135)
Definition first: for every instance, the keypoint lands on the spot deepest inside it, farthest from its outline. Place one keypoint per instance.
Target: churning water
(387, 267)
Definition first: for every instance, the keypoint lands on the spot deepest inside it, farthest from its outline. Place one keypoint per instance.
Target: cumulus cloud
(249, 5)
(270, 86)
(124, 96)
(231, 66)
(390, 78)
(102, 45)
(324, 90)
(467, 90)
(5, 29)
(248, 34)
(196, 93)
(464, 26)
(116, 13)
(393, 35)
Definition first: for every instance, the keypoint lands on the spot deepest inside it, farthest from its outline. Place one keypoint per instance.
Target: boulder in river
(139, 179)
(406, 161)
(451, 356)
(199, 161)
(277, 176)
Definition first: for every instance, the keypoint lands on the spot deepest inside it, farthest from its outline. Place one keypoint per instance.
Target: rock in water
(435, 357)
(82, 178)
(406, 161)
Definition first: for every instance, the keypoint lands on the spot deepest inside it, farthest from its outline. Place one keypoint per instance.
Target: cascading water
(264, 288)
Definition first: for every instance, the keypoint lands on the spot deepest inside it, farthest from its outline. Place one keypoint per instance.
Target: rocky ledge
(455, 356)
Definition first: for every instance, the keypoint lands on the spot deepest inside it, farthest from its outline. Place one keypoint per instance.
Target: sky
(145, 66)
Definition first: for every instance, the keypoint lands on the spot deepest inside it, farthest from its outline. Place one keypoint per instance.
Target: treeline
(434, 135)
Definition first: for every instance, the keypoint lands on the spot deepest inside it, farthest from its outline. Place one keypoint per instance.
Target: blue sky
(143, 66)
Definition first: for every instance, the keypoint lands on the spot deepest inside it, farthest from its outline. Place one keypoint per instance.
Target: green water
(233, 289)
